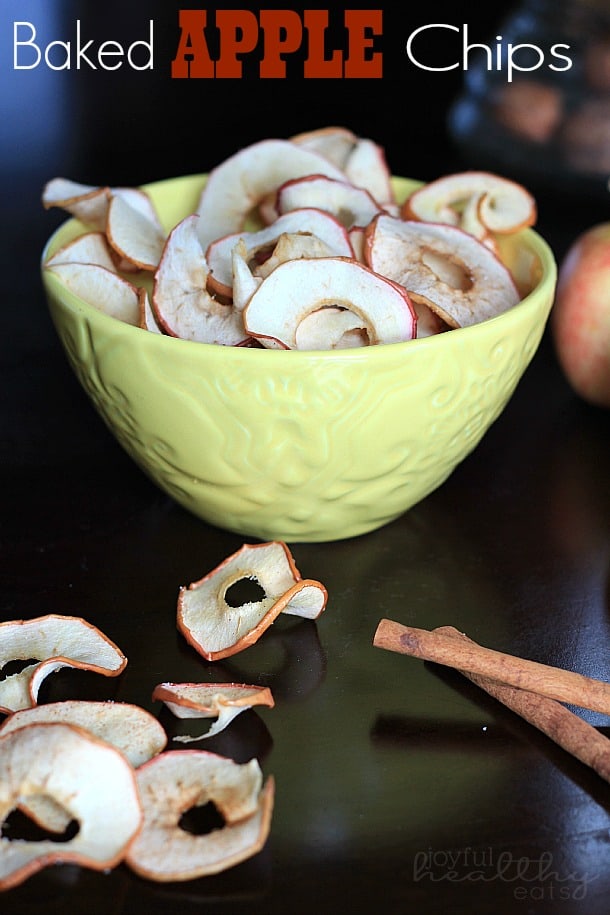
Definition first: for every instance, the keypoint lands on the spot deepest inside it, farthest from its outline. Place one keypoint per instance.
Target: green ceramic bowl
(293, 445)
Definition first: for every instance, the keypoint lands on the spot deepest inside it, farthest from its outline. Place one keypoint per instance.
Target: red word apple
(580, 319)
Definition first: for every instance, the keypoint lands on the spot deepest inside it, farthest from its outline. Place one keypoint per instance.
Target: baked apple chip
(259, 245)
(218, 629)
(444, 267)
(350, 205)
(181, 302)
(222, 701)
(102, 288)
(129, 728)
(87, 778)
(297, 289)
(478, 202)
(90, 248)
(136, 236)
(240, 183)
(54, 641)
(177, 781)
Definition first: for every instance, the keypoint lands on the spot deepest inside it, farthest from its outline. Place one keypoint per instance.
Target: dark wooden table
(400, 786)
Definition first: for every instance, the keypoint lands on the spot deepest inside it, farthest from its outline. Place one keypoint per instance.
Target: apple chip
(334, 143)
(89, 203)
(478, 202)
(135, 235)
(366, 167)
(350, 205)
(129, 728)
(223, 701)
(102, 288)
(177, 781)
(310, 221)
(85, 202)
(445, 267)
(55, 642)
(218, 629)
(180, 300)
(239, 184)
(298, 288)
(88, 778)
(90, 248)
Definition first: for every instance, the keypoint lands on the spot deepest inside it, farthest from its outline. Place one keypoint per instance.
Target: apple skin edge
(580, 318)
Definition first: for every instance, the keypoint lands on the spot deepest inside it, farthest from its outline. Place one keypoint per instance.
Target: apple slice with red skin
(129, 728)
(102, 288)
(55, 641)
(480, 202)
(134, 235)
(366, 167)
(298, 288)
(90, 248)
(216, 628)
(451, 272)
(350, 205)
(223, 701)
(239, 184)
(334, 143)
(87, 777)
(181, 303)
(179, 780)
(89, 203)
(309, 220)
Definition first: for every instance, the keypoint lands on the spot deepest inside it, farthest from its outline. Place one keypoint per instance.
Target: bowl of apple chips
(299, 345)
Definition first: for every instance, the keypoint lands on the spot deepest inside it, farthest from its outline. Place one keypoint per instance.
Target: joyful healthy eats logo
(272, 44)
(530, 879)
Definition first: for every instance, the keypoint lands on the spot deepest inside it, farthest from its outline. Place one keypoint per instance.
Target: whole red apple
(580, 318)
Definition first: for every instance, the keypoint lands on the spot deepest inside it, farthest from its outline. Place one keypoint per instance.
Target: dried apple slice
(85, 202)
(308, 220)
(56, 642)
(239, 184)
(298, 288)
(223, 701)
(102, 288)
(89, 203)
(129, 728)
(293, 246)
(334, 143)
(134, 235)
(244, 283)
(445, 267)
(177, 781)
(181, 302)
(479, 202)
(148, 319)
(90, 248)
(216, 629)
(331, 327)
(87, 777)
(366, 167)
(350, 205)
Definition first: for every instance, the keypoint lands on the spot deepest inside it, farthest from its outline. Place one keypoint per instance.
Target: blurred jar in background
(538, 105)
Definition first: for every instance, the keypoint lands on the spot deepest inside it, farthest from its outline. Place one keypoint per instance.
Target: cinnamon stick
(567, 730)
(441, 646)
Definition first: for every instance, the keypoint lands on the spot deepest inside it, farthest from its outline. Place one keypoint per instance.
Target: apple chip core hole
(19, 827)
(244, 591)
(447, 269)
(201, 819)
(16, 666)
